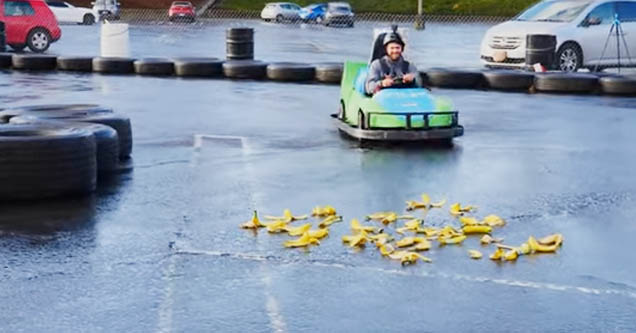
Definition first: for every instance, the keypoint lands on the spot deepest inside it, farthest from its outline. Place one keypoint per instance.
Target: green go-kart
(398, 114)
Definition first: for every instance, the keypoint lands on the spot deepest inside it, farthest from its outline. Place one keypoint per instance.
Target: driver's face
(394, 51)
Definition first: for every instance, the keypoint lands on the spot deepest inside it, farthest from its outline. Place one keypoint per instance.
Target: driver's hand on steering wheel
(387, 82)
(408, 78)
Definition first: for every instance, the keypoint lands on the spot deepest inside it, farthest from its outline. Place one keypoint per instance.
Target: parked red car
(181, 10)
(29, 23)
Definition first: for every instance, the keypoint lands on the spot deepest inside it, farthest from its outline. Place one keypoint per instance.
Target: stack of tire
(60, 150)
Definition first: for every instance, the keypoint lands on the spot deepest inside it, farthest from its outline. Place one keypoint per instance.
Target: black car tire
(618, 85)
(361, 120)
(289, 71)
(89, 19)
(202, 67)
(245, 69)
(461, 79)
(566, 82)
(37, 163)
(329, 72)
(154, 66)
(113, 65)
(36, 62)
(569, 57)
(77, 64)
(34, 44)
(508, 80)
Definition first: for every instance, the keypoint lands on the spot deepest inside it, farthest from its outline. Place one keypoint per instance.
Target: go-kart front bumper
(400, 134)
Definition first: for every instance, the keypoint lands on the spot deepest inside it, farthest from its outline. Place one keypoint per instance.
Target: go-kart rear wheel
(361, 120)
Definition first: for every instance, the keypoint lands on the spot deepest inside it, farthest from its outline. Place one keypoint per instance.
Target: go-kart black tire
(289, 71)
(508, 79)
(201, 67)
(38, 163)
(36, 110)
(461, 79)
(113, 65)
(76, 64)
(154, 66)
(36, 62)
(566, 82)
(361, 120)
(6, 60)
(329, 72)
(618, 85)
(106, 139)
(245, 69)
(120, 123)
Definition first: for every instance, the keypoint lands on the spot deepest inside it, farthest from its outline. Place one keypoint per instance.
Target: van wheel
(89, 19)
(361, 123)
(38, 40)
(569, 58)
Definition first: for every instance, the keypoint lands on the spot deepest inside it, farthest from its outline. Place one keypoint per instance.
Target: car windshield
(181, 3)
(553, 11)
(339, 8)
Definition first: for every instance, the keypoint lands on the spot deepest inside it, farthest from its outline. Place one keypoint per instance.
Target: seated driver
(384, 71)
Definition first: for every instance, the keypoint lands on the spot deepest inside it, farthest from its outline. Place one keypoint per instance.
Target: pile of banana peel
(414, 236)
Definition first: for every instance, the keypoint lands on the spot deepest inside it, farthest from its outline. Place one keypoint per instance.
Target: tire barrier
(154, 66)
(198, 67)
(329, 72)
(239, 44)
(76, 64)
(39, 163)
(566, 83)
(36, 110)
(36, 62)
(288, 71)
(447, 78)
(113, 65)
(106, 139)
(119, 123)
(6, 60)
(245, 69)
(508, 79)
(618, 85)
(541, 49)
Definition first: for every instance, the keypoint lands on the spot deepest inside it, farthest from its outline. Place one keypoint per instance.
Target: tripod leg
(618, 46)
(605, 47)
(629, 57)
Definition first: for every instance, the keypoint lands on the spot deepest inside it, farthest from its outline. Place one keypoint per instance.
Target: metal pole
(419, 20)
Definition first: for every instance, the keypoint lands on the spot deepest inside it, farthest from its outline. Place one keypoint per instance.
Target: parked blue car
(315, 12)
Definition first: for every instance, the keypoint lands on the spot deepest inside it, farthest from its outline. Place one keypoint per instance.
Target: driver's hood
(522, 28)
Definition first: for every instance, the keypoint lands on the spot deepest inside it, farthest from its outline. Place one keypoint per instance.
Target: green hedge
(446, 7)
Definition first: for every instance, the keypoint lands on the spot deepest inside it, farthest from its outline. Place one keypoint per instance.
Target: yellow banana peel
(297, 231)
(511, 255)
(467, 220)
(356, 226)
(356, 240)
(537, 247)
(303, 241)
(422, 245)
(524, 249)
(413, 224)
(424, 204)
(499, 253)
(378, 215)
(455, 209)
(448, 231)
(438, 204)
(287, 217)
(494, 221)
(386, 249)
(428, 231)
(318, 234)
(476, 229)
(254, 223)
(276, 227)
(411, 258)
(381, 237)
(323, 211)
(551, 239)
(474, 254)
(487, 239)
(451, 240)
(329, 221)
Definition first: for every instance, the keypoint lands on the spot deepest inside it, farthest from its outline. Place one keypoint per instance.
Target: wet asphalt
(159, 248)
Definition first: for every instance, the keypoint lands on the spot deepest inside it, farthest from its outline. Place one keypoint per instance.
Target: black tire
(39, 40)
(113, 65)
(106, 139)
(35, 62)
(201, 67)
(341, 112)
(120, 123)
(509, 80)
(49, 216)
(288, 71)
(461, 79)
(17, 47)
(37, 163)
(89, 19)
(279, 18)
(36, 110)
(329, 72)
(245, 69)
(154, 66)
(566, 82)
(361, 120)
(618, 85)
(569, 58)
(77, 64)
(6, 60)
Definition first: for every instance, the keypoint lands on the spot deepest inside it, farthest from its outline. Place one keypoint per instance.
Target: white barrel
(114, 40)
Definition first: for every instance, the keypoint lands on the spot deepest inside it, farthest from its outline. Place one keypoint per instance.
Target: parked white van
(581, 28)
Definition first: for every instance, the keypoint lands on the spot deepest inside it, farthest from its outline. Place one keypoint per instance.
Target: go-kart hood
(410, 100)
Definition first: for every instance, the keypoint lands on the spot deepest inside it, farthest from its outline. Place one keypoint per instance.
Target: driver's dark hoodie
(395, 68)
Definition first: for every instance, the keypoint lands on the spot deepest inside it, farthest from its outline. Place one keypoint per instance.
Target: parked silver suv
(106, 9)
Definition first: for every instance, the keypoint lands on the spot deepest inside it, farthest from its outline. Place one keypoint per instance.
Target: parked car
(581, 29)
(29, 23)
(313, 13)
(106, 9)
(281, 11)
(181, 10)
(67, 13)
(339, 13)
